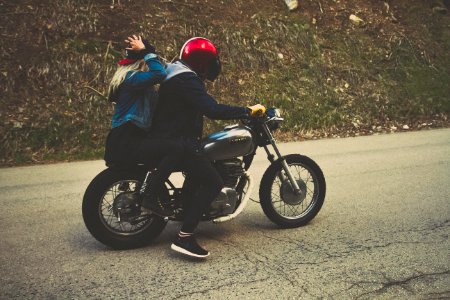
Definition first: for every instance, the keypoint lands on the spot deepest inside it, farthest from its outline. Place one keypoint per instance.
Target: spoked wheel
(120, 209)
(281, 204)
(111, 211)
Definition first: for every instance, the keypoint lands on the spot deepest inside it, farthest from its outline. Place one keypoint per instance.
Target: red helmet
(202, 56)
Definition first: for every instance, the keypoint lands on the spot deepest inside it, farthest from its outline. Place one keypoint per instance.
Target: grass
(330, 78)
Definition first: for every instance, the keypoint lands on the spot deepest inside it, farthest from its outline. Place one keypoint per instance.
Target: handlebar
(271, 114)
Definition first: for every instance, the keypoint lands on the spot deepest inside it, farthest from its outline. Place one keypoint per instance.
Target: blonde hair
(121, 73)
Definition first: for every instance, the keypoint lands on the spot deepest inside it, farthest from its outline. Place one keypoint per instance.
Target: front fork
(284, 164)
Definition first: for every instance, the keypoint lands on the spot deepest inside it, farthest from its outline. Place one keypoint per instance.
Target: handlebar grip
(256, 110)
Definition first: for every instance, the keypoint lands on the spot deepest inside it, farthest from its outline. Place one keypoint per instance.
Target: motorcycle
(291, 192)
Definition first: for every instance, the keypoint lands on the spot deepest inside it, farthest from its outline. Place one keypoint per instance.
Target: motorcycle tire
(93, 208)
(278, 201)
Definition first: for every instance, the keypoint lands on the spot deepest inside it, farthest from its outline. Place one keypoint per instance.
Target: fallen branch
(91, 88)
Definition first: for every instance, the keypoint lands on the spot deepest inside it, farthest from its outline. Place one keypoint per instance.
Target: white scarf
(176, 68)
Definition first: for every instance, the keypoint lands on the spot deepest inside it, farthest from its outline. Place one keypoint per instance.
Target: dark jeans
(202, 185)
(166, 155)
(128, 145)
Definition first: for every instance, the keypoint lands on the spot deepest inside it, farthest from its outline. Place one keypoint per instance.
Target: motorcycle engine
(231, 171)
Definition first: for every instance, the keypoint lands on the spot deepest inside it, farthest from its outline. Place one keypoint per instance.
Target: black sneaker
(155, 206)
(188, 246)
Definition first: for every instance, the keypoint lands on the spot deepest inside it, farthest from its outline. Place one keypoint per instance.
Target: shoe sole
(185, 252)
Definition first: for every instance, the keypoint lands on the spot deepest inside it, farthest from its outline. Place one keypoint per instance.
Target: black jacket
(183, 101)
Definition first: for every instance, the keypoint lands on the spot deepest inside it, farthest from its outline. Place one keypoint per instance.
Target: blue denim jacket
(136, 96)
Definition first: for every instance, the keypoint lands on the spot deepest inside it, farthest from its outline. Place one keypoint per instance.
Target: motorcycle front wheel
(111, 211)
(281, 204)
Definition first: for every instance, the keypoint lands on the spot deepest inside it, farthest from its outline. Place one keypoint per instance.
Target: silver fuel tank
(233, 141)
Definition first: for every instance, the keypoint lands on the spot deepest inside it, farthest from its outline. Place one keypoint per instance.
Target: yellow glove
(257, 110)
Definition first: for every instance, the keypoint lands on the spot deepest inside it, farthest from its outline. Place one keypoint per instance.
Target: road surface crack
(390, 283)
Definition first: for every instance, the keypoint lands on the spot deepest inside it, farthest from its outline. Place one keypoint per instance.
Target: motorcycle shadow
(242, 228)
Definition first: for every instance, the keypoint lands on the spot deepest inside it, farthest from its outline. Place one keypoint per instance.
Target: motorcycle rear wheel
(101, 204)
(278, 200)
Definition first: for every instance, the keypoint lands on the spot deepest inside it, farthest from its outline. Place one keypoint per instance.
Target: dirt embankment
(336, 68)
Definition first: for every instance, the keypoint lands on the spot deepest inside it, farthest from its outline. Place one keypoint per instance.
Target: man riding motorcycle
(291, 192)
(183, 101)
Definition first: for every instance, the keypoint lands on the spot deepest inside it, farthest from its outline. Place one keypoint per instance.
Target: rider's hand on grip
(257, 110)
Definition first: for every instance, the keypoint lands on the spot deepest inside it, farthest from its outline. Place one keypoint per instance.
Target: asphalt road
(383, 232)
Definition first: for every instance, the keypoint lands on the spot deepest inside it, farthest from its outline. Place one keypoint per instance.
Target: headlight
(273, 112)
(274, 119)
(277, 113)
